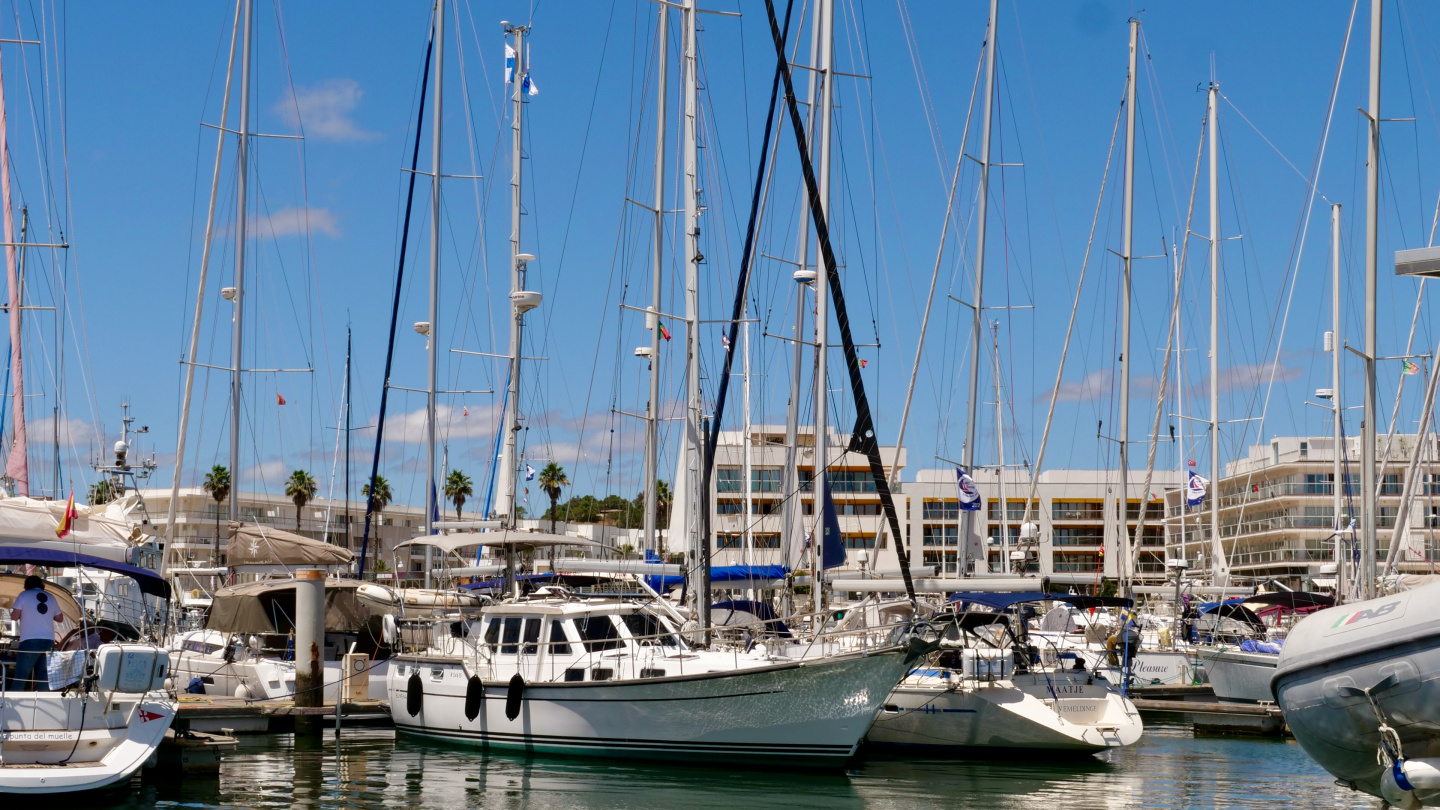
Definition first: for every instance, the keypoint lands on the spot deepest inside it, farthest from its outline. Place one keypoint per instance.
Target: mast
(1220, 569)
(509, 455)
(1369, 543)
(1127, 239)
(242, 172)
(652, 410)
(1338, 466)
(747, 459)
(1000, 451)
(1181, 460)
(824, 69)
(432, 333)
(348, 397)
(978, 305)
(693, 416)
(803, 275)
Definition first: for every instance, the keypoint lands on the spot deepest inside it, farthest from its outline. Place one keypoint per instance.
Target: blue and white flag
(969, 494)
(509, 64)
(1195, 489)
(529, 473)
(528, 85)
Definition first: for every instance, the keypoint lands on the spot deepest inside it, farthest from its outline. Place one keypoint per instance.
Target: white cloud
(294, 221)
(1250, 376)
(1092, 386)
(325, 110)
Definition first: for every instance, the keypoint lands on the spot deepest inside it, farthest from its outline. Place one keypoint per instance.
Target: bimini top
(521, 541)
(1001, 601)
(1291, 600)
(150, 582)
(268, 606)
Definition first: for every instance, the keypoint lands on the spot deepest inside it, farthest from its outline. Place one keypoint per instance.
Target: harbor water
(1168, 768)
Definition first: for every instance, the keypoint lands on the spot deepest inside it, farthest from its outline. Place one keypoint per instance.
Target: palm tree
(457, 489)
(217, 484)
(300, 489)
(552, 478)
(102, 491)
(382, 497)
(663, 499)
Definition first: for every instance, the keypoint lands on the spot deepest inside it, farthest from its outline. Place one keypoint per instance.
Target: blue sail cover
(150, 582)
(832, 545)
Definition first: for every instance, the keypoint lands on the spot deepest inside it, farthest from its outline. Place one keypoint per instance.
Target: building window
(728, 479)
(859, 541)
(765, 479)
(766, 507)
(1014, 510)
(949, 561)
(941, 510)
(852, 481)
(1304, 449)
(766, 540)
(729, 541)
(1078, 536)
(1014, 533)
(1077, 510)
(1152, 510)
(857, 508)
(941, 536)
(729, 508)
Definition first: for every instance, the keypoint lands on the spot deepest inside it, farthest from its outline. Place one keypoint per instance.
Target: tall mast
(242, 171)
(1181, 460)
(803, 276)
(825, 70)
(348, 396)
(977, 305)
(432, 343)
(693, 405)
(748, 460)
(1126, 242)
(1220, 569)
(652, 412)
(1338, 464)
(509, 456)
(1000, 451)
(1368, 542)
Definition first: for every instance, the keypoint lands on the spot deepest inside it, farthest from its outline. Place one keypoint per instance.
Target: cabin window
(598, 633)
(643, 625)
(492, 634)
(559, 645)
(599, 674)
(510, 636)
(574, 674)
(532, 635)
(652, 673)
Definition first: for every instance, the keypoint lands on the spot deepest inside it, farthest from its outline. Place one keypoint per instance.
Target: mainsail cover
(260, 545)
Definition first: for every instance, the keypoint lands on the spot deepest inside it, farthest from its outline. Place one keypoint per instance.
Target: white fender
(1400, 781)
(242, 691)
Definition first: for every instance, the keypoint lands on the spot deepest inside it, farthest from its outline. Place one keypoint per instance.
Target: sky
(112, 134)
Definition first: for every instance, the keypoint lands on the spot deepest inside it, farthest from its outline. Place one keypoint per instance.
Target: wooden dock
(237, 716)
(1208, 715)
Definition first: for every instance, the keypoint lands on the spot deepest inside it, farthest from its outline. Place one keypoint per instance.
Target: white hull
(117, 736)
(1238, 676)
(780, 714)
(1046, 711)
(266, 678)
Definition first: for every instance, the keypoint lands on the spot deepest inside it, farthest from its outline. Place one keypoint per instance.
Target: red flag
(864, 363)
(279, 400)
(665, 333)
(466, 411)
(67, 521)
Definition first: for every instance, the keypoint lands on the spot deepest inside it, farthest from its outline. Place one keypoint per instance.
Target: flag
(665, 333)
(1192, 462)
(528, 85)
(465, 411)
(1411, 369)
(529, 474)
(1195, 489)
(969, 495)
(279, 400)
(725, 341)
(509, 64)
(67, 521)
(864, 363)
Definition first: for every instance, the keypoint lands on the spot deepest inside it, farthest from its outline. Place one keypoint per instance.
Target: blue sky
(137, 85)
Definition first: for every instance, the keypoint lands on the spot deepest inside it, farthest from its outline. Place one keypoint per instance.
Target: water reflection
(1167, 769)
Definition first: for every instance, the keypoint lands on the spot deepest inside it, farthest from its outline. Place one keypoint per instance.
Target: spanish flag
(67, 521)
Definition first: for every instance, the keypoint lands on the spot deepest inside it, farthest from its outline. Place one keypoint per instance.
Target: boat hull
(1050, 712)
(1238, 676)
(44, 754)
(800, 713)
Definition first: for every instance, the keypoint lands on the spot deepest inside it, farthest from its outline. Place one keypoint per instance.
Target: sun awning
(261, 545)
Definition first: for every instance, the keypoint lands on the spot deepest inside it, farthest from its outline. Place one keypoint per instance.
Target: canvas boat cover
(262, 545)
(268, 606)
(103, 531)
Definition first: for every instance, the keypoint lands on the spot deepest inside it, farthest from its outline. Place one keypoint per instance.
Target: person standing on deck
(36, 612)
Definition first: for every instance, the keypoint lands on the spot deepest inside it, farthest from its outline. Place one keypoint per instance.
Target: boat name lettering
(1366, 614)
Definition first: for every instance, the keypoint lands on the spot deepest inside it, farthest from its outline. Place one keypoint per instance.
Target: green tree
(552, 478)
(300, 488)
(457, 489)
(382, 497)
(101, 492)
(663, 498)
(217, 484)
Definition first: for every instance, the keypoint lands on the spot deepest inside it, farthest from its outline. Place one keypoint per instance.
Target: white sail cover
(102, 531)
